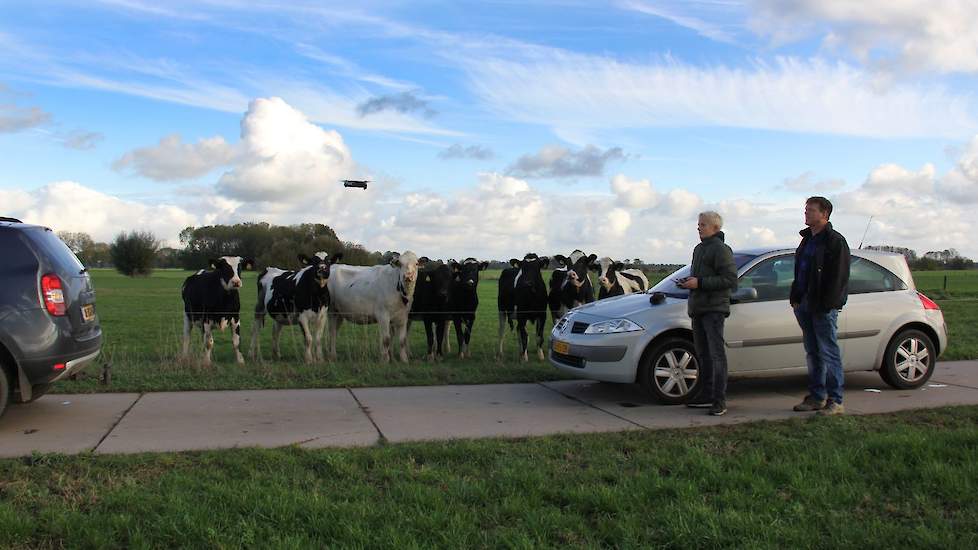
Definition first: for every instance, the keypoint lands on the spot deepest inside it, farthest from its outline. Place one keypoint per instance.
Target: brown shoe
(810, 404)
(832, 409)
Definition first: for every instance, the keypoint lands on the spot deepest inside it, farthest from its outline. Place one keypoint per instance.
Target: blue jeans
(822, 353)
(712, 355)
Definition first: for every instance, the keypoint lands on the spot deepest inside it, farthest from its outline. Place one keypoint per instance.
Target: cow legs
(402, 338)
(306, 337)
(521, 328)
(187, 325)
(318, 330)
(429, 338)
(334, 322)
(236, 340)
(468, 323)
(208, 343)
(276, 335)
(440, 335)
(502, 332)
(254, 350)
(384, 328)
(457, 322)
(540, 325)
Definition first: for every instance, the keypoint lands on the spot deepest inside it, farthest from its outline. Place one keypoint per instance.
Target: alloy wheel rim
(675, 372)
(912, 359)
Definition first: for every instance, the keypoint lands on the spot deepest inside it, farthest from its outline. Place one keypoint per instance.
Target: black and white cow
(431, 304)
(379, 294)
(615, 280)
(210, 298)
(576, 288)
(465, 300)
(529, 300)
(295, 298)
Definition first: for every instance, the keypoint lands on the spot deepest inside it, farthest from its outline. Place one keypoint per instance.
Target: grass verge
(898, 480)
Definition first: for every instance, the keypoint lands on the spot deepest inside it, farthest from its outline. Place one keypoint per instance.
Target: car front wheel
(6, 387)
(909, 361)
(669, 371)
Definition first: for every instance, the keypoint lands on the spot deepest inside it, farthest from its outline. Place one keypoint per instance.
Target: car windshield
(669, 287)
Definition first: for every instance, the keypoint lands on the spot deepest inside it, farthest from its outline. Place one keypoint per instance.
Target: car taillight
(928, 303)
(53, 295)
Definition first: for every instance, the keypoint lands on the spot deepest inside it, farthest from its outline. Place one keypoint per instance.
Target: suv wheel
(6, 387)
(669, 371)
(909, 361)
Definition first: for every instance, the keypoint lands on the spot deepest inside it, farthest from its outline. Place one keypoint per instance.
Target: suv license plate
(561, 347)
(88, 312)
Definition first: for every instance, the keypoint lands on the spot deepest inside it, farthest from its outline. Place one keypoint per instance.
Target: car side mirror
(748, 294)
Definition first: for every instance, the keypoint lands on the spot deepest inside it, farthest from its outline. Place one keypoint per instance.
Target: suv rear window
(16, 254)
(56, 251)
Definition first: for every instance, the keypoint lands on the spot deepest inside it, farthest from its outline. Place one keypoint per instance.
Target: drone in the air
(362, 184)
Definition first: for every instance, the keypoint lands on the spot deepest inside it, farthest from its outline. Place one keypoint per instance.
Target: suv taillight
(928, 303)
(53, 295)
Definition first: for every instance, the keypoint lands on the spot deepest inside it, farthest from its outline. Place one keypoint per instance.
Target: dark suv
(48, 324)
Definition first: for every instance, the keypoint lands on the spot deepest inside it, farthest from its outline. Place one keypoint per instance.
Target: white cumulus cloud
(172, 159)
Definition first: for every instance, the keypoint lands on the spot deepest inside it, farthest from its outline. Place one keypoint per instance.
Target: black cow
(465, 300)
(506, 299)
(431, 303)
(211, 298)
(575, 288)
(557, 278)
(295, 297)
(529, 301)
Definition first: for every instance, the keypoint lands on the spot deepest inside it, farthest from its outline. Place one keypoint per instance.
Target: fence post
(945, 282)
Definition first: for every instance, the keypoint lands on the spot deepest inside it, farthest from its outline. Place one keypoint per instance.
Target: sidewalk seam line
(382, 439)
(116, 423)
(593, 406)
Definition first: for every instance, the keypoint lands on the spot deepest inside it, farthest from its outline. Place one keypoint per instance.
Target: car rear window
(15, 252)
(47, 244)
(668, 285)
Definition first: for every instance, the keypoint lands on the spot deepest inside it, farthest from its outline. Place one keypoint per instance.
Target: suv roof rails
(6, 219)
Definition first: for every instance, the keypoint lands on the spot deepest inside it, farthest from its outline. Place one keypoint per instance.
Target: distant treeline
(933, 260)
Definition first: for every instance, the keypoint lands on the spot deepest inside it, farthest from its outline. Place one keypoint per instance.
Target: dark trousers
(712, 355)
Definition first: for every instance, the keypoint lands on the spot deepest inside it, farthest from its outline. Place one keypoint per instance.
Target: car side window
(771, 278)
(866, 276)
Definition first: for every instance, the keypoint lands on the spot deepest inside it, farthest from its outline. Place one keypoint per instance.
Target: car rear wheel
(6, 387)
(670, 372)
(909, 361)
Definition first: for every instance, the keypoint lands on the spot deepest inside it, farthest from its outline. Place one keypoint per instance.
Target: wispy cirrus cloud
(678, 13)
(563, 89)
(459, 151)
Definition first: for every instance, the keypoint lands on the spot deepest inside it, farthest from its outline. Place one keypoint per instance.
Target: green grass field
(142, 322)
(903, 480)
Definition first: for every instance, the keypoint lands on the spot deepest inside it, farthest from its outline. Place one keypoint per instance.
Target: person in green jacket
(713, 276)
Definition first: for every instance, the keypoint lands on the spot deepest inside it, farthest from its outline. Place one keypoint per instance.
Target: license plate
(561, 347)
(88, 312)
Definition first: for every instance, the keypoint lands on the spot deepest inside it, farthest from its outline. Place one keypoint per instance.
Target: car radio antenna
(864, 233)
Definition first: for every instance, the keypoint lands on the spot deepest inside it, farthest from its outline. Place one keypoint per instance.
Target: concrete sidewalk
(181, 421)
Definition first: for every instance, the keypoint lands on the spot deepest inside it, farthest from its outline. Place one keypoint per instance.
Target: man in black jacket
(713, 275)
(819, 291)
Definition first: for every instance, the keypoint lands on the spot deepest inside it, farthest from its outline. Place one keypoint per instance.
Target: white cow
(379, 294)
(615, 280)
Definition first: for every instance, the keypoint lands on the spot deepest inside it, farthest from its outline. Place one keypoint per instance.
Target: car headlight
(612, 326)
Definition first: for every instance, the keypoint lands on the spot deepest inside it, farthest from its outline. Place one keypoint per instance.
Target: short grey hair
(712, 218)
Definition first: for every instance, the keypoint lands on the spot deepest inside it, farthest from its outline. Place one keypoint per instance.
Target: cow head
(408, 264)
(607, 271)
(229, 268)
(437, 277)
(577, 267)
(467, 272)
(320, 261)
(530, 267)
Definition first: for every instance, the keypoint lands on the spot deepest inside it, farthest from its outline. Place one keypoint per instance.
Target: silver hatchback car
(886, 326)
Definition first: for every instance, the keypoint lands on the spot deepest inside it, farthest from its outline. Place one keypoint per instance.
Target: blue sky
(492, 129)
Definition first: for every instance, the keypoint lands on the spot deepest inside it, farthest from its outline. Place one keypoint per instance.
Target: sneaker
(718, 409)
(810, 404)
(832, 409)
(699, 403)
